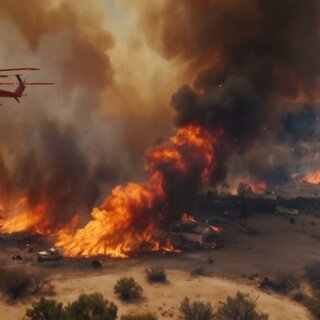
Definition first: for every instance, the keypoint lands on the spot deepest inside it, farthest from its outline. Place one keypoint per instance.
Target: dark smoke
(251, 56)
(56, 147)
(52, 170)
(300, 126)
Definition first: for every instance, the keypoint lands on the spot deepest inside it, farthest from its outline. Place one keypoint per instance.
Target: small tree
(141, 316)
(15, 283)
(312, 274)
(40, 280)
(45, 310)
(195, 310)
(241, 307)
(156, 274)
(128, 288)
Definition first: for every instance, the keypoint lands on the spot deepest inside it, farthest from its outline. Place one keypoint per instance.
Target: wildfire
(129, 218)
(20, 216)
(312, 177)
(215, 228)
(249, 186)
(188, 218)
(259, 187)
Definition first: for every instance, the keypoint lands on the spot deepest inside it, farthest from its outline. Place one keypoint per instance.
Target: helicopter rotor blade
(17, 69)
(27, 83)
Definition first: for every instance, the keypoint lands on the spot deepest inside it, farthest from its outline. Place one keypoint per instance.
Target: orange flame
(188, 218)
(259, 187)
(312, 177)
(128, 219)
(215, 228)
(21, 217)
(250, 187)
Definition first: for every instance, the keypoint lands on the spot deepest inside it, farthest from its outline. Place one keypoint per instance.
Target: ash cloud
(57, 148)
(251, 61)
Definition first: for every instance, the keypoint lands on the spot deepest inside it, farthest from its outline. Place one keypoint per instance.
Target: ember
(188, 218)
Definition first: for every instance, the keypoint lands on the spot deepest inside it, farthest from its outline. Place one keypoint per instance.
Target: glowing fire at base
(20, 217)
(129, 218)
(188, 218)
(312, 177)
(249, 186)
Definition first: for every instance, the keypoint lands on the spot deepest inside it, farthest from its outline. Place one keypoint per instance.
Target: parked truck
(52, 254)
(286, 211)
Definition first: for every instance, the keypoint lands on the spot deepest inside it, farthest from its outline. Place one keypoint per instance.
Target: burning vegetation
(129, 218)
(244, 103)
(312, 177)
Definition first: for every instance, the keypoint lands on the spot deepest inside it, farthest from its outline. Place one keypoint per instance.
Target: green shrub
(45, 310)
(241, 307)
(312, 274)
(197, 270)
(91, 306)
(156, 274)
(141, 316)
(128, 288)
(195, 310)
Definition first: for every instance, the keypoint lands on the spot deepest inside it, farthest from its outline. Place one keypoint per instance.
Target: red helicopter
(21, 85)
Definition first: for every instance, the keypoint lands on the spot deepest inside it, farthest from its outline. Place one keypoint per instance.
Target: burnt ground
(255, 247)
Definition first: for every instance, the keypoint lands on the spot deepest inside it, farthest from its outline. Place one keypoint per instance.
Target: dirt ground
(260, 246)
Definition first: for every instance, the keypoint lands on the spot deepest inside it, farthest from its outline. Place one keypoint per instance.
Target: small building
(194, 232)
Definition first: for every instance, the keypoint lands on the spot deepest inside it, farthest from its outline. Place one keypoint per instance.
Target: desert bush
(141, 316)
(282, 282)
(128, 288)
(86, 307)
(195, 310)
(197, 270)
(298, 296)
(285, 282)
(313, 304)
(292, 220)
(312, 274)
(210, 260)
(40, 280)
(15, 282)
(156, 274)
(45, 310)
(91, 306)
(241, 307)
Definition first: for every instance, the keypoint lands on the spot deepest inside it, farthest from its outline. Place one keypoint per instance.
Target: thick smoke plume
(57, 150)
(251, 59)
(251, 72)
(129, 218)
